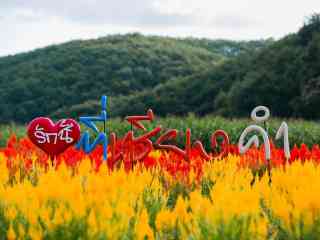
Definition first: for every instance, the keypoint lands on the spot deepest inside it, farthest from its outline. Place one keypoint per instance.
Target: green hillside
(68, 79)
(285, 76)
(172, 76)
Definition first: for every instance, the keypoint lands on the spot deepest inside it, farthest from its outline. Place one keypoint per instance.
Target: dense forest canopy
(172, 76)
(284, 75)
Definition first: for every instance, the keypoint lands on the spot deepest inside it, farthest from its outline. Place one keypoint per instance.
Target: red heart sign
(53, 138)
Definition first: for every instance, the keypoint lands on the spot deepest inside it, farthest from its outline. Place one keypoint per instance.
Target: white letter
(254, 140)
(40, 135)
(284, 131)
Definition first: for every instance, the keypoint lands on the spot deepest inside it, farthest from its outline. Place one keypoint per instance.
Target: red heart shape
(53, 138)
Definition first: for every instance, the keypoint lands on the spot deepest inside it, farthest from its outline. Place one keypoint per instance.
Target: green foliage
(4, 224)
(153, 202)
(283, 75)
(177, 190)
(68, 79)
(76, 229)
(237, 228)
(7, 130)
(172, 76)
(296, 231)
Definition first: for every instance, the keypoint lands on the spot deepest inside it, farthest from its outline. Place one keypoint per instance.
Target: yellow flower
(35, 234)
(45, 217)
(58, 216)
(165, 219)
(142, 227)
(92, 221)
(67, 215)
(114, 198)
(21, 230)
(11, 213)
(180, 210)
(11, 235)
(155, 154)
(32, 216)
(106, 211)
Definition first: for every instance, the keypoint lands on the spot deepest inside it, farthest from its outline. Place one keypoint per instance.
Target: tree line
(172, 76)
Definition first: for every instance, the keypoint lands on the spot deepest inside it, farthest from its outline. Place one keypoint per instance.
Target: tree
(311, 26)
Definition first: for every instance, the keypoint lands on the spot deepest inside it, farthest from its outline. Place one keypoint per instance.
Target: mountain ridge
(57, 79)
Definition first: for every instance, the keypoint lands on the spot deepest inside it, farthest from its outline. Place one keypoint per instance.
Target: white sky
(29, 24)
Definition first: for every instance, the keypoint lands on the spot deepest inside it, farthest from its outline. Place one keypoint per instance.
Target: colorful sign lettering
(53, 138)
(102, 136)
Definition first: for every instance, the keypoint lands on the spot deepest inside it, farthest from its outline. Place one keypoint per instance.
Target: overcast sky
(29, 24)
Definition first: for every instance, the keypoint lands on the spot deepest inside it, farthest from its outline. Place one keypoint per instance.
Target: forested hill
(285, 76)
(68, 79)
(172, 76)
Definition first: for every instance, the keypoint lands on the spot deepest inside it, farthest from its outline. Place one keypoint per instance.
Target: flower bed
(161, 197)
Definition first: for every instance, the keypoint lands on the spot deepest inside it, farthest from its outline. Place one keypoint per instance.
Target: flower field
(163, 196)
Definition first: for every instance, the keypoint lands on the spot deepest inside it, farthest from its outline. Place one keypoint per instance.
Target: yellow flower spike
(106, 211)
(33, 158)
(67, 215)
(58, 216)
(92, 222)
(32, 216)
(156, 154)
(124, 210)
(11, 213)
(195, 201)
(21, 231)
(104, 170)
(45, 215)
(64, 172)
(165, 219)
(35, 233)
(4, 173)
(79, 206)
(181, 210)
(259, 227)
(142, 228)
(85, 167)
(11, 235)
